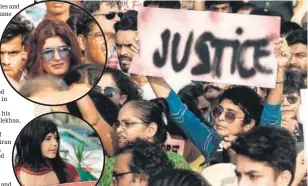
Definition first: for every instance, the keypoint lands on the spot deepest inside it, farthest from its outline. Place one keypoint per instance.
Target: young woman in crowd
(290, 103)
(37, 160)
(118, 87)
(53, 49)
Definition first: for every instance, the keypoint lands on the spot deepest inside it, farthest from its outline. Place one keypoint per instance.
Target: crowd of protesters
(155, 133)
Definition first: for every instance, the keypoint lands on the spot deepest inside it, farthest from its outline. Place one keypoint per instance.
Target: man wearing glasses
(106, 13)
(91, 40)
(13, 56)
(137, 162)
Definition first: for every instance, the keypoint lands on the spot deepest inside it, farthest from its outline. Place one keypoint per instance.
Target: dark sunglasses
(63, 51)
(107, 91)
(230, 117)
(111, 15)
(291, 99)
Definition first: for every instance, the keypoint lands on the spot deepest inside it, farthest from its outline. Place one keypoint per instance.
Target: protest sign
(207, 46)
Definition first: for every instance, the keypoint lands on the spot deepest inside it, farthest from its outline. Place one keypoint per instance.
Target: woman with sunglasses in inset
(291, 100)
(118, 87)
(37, 161)
(52, 49)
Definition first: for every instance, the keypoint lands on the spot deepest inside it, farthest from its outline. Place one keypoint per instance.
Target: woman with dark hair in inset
(118, 87)
(52, 49)
(37, 160)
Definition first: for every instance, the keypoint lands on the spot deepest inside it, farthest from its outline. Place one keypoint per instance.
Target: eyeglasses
(126, 124)
(63, 51)
(99, 36)
(229, 116)
(116, 175)
(111, 15)
(107, 91)
(291, 99)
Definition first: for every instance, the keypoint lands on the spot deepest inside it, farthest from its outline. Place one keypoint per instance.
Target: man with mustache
(212, 91)
(57, 10)
(13, 55)
(297, 41)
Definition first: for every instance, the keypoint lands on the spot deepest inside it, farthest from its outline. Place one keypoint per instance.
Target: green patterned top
(177, 160)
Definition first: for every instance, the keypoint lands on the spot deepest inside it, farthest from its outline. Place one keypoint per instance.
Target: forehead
(52, 42)
(227, 104)
(128, 112)
(107, 7)
(52, 134)
(244, 164)
(299, 47)
(94, 27)
(125, 36)
(13, 44)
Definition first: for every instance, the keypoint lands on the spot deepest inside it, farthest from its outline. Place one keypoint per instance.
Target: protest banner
(207, 46)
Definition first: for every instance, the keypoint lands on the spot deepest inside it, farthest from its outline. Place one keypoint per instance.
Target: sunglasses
(291, 99)
(230, 117)
(107, 91)
(63, 51)
(111, 15)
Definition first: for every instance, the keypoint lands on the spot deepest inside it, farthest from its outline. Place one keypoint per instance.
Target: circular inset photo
(53, 52)
(58, 149)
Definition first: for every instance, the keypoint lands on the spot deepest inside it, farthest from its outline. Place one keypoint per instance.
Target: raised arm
(271, 114)
(92, 116)
(203, 136)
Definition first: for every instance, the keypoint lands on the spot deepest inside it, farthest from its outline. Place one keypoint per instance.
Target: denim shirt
(203, 136)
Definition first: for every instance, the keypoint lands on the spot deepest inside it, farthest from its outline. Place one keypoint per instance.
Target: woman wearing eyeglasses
(290, 102)
(118, 87)
(37, 161)
(239, 110)
(52, 49)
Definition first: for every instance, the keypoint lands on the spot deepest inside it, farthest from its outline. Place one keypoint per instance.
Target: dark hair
(211, 3)
(238, 5)
(247, 99)
(163, 4)
(16, 27)
(178, 177)
(152, 111)
(84, 73)
(83, 24)
(92, 6)
(126, 86)
(297, 36)
(288, 27)
(266, 12)
(293, 82)
(106, 108)
(273, 145)
(44, 30)
(146, 157)
(74, 18)
(189, 96)
(28, 147)
(171, 125)
(129, 21)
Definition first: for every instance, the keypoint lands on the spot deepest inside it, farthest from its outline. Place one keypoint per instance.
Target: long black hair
(28, 147)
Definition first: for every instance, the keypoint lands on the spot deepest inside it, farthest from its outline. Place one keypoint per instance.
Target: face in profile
(130, 126)
(13, 58)
(253, 173)
(55, 56)
(49, 147)
(124, 41)
(56, 7)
